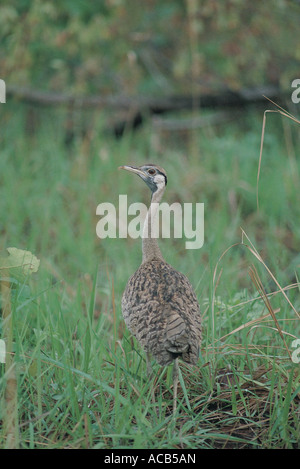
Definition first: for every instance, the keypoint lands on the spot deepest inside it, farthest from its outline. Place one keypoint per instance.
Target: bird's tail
(176, 335)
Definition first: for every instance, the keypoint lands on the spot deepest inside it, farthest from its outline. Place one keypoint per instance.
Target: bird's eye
(151, 171)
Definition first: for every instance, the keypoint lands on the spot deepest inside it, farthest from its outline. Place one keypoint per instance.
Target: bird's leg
(175, 384)
(150, 374)
(149, 366)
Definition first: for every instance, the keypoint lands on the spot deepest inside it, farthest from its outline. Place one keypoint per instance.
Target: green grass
(80, 377)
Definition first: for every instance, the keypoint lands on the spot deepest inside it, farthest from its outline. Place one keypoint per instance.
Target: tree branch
(155, 105)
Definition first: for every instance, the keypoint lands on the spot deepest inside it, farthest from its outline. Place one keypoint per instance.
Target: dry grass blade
(284, 113)
(259, 286)
(275, 292)
(257, 255)
(248, 324)
(216, 279)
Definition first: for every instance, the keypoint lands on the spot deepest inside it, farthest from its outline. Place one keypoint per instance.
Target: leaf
(18, 264)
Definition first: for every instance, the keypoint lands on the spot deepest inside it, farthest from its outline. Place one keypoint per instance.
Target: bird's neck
(151, 228)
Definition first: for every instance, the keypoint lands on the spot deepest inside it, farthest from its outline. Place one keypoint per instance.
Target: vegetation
(80, 377)
(74, 377)
(129, 47)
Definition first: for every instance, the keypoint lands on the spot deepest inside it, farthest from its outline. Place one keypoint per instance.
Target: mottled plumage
(161, 310)
(159, 305)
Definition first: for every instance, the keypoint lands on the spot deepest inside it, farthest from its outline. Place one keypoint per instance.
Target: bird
(159, 305)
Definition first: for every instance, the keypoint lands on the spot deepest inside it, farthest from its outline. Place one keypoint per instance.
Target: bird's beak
(133, 169)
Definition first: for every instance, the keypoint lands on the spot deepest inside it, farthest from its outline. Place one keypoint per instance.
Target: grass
(80, 377)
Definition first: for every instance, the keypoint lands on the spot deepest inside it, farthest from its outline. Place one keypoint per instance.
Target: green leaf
(18, 264)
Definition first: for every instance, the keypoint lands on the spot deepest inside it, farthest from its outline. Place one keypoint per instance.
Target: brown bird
(159, 304)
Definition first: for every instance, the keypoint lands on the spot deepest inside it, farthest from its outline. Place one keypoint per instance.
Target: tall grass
(80, 377)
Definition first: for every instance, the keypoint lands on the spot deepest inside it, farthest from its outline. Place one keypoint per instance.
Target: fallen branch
(155, 105)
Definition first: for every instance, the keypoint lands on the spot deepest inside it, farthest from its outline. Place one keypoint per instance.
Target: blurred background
(185, 84)
(116, 47)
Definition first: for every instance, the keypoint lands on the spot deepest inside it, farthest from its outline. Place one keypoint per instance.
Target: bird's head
(154, 176)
